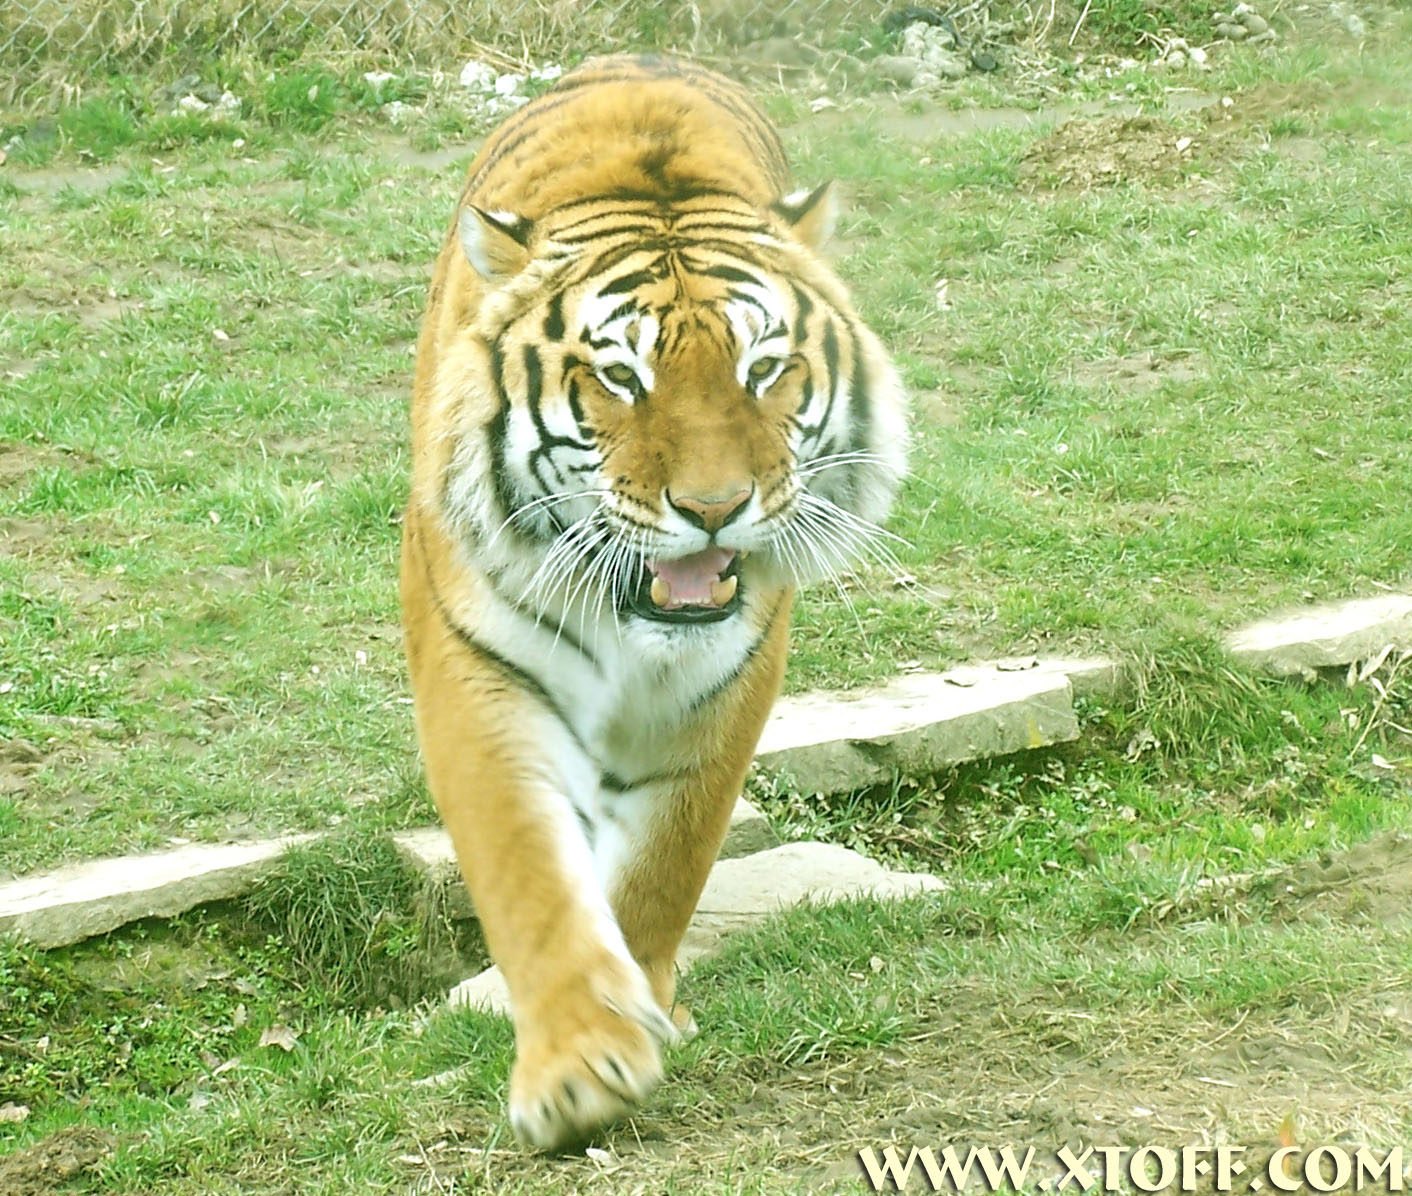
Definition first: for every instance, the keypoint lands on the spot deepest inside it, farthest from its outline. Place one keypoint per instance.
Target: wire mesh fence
(40, 37)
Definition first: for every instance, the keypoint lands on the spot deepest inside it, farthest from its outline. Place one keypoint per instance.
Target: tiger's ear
(495, 243)
(811, 214)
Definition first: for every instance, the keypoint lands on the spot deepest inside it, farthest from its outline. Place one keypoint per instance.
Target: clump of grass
(1127, 24)
(360, 924)
(301, 99)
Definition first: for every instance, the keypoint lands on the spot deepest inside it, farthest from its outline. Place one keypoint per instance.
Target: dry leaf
(281, 1036)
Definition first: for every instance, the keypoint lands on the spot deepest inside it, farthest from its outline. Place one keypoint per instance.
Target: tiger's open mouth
(701, 588)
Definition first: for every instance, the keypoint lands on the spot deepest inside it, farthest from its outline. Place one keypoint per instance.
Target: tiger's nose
(710, 513)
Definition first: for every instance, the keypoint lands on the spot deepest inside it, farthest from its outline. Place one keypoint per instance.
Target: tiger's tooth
(661, 592)
(723, 591)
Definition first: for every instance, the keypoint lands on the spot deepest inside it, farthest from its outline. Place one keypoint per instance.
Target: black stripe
(554, 317)
(616, 784)
(860, 410)
(735, 674)
(505, 493)
(805, 305)
(539, 618)
(513, 671)
(627, 282)
(731, 274)
(575, 402)
(508, 667)
(831, 369)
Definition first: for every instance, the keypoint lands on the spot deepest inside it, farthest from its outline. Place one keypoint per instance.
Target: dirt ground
(47, 1166)
(1045, 1068)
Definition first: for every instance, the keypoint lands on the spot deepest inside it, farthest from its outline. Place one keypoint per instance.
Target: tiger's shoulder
(630, 125)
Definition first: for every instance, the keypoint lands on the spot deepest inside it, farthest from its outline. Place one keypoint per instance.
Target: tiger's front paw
(587, 1052)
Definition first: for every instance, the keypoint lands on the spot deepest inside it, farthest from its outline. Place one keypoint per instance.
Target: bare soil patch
(1083, 154)
(1370, 881)
(1137, 372)
(1043, 1067)
(49, 1164)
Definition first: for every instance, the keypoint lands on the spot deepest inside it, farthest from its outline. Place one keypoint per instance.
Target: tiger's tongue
(689, 579)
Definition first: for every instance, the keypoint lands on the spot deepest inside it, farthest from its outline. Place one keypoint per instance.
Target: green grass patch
(1147, 408)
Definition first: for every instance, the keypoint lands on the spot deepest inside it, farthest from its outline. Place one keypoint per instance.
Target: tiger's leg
(587, 1026)
(657, 861)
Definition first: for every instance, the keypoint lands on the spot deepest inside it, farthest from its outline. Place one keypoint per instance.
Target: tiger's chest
(629, 692)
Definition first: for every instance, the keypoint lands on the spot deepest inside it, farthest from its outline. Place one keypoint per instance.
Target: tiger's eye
(762, 367)
(619, 374)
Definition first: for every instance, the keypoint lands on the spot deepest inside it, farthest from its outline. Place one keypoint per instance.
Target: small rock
(919, 38)
(508, 84)
(1197, 57)
(897, 68)
(478, 76)
(1351, 20)
(547, 74)
(1232, 32)
(1253, 22)
(190, 105)
(397, 112)
(948, 66)
(780, 51)
(1256, 39)
(1176, 58)
(186, 85)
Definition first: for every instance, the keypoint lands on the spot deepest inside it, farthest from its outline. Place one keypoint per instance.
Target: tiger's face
(681, 415)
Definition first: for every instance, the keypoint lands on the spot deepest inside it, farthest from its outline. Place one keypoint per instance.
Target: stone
(947, 64)
(478, 76)
(743, 892)
(897, 68)
(81, 900)
(1089, 676)
(1232, 32)
(1327, 636)
(749, 831)
(428, 849)
(915, 725)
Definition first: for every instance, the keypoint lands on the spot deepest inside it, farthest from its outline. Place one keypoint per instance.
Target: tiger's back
(644, 411)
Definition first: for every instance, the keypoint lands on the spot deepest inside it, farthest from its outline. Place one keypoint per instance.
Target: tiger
(644, 412)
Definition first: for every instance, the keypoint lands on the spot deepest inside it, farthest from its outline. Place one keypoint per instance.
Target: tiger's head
(679, 403)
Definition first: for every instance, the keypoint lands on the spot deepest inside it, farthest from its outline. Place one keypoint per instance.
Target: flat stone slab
(1326, 636)
(429, 850)
(743, 892)
(914, 725)
(821, 743)
(81, 900)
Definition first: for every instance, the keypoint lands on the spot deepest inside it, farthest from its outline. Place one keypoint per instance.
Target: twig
(1079, 24)
(1383, 692)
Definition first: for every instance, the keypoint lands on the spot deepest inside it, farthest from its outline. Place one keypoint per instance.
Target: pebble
(478, 76)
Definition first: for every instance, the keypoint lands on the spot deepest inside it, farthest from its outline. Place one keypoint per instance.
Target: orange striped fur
(644, 412)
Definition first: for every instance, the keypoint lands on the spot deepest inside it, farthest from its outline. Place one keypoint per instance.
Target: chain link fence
(68, 39)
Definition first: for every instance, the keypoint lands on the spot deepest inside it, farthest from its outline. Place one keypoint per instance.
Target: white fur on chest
(623, 701)
(626, 694)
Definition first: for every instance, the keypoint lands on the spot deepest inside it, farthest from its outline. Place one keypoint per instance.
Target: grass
(1162, 403)
(796, 1014)
(1151, 408)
